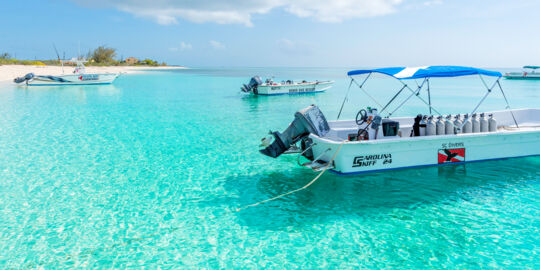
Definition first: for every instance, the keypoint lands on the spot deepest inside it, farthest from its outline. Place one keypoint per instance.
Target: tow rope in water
(299, 189)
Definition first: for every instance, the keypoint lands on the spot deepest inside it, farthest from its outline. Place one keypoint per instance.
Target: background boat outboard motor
(25, 78)
(306, 121)
(252, 85)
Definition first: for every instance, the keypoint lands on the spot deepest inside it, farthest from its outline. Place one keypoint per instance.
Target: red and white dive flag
(451, 155)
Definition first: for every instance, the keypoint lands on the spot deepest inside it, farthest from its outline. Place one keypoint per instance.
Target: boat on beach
(377, 141)
(524, 75)
(269, 87)
(78, 77)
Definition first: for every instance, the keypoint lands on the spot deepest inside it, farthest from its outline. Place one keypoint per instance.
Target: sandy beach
(9, 72)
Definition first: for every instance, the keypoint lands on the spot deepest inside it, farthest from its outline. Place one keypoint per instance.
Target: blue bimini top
(405, 73)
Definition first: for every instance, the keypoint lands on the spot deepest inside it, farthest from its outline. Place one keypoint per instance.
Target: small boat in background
(524, 75)
(269, 87)
(79, 77)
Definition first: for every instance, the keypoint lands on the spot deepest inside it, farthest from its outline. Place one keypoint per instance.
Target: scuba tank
(467, 126)
(423, 123)
(448, 125)
(484, 126)
(457, 124)
(475, 124)
(439, 126)
(431, 129)
(492, 123)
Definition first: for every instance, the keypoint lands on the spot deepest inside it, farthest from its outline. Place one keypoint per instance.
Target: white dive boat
(373, 143)
(269, 87)
(79, 77)
(524, 75)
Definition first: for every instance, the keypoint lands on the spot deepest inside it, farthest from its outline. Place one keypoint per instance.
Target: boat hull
(522, 76)
(74, 79)
(301, 88)
(379, 155)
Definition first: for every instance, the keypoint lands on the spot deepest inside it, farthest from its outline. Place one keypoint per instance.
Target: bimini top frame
(426, 72)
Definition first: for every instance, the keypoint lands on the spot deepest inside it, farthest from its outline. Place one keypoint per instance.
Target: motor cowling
(307, 121)
(252, 85)
(25, 78)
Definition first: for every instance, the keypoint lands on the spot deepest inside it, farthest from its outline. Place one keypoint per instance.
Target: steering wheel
(361, 117)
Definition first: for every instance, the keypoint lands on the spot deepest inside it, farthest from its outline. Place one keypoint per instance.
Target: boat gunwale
(428, 138)
(297, 84)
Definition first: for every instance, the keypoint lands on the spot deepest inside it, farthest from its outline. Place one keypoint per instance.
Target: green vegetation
(150, 62)
(101, 56)
(5, 59)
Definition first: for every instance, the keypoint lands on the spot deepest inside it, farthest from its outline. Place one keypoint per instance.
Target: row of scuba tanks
(427, 126)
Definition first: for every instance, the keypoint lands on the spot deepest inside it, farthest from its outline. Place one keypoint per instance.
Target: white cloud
(433, 2)
(294, 47)
(339, 10)
(217, 45)
(240, 11)
(183, 46)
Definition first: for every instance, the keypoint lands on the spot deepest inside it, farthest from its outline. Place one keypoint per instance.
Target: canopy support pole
(413, 93)
(507, 103)
(489, 89)
(344, 100)
(360, 86)
(429, 96)
(347, 95)
(391, 100)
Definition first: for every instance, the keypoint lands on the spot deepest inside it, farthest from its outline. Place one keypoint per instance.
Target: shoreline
(9, 72)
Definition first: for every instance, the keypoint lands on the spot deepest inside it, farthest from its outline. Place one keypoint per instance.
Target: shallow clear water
(149, 171)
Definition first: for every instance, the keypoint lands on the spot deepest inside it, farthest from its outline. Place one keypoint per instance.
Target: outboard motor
(252, 85)
(25, 78)
(306, 121)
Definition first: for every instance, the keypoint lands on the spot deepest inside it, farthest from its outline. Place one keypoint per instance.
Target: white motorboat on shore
(373, 143)
(524, 75)
(78, 77)
(269, 87)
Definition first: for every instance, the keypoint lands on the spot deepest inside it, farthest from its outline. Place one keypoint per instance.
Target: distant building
(132, 60)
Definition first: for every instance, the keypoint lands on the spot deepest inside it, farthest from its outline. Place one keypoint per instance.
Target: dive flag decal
(451, 155)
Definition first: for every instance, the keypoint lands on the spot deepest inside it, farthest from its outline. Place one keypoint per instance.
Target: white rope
(299, 189)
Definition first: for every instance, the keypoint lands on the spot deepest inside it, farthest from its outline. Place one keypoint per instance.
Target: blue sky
(339, 33)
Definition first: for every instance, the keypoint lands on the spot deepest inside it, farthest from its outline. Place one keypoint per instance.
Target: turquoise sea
(148, 173)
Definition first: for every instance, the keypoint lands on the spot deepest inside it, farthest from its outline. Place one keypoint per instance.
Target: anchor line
(298, 189)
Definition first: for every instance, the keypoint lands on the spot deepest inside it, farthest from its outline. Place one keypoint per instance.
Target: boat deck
(527, 119)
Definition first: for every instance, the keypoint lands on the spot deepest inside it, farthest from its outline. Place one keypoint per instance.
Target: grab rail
(298, 158)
